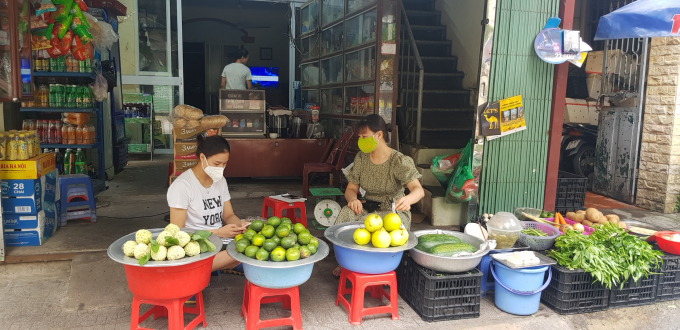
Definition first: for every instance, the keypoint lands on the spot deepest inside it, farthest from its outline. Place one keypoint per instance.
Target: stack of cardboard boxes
(185, 145)
(30, 196)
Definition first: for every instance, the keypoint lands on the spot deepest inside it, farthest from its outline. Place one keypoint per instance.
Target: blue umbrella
(641, 19)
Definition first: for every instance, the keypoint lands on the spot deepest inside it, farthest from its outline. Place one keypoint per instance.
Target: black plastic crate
(571, 192)
(669, 279)
(573, 292)
(439, 296)
(642, 292)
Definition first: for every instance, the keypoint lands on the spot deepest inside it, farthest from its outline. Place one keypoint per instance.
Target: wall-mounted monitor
(264, 77)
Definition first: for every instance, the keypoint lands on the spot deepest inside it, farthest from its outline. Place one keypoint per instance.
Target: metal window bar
(407, 80)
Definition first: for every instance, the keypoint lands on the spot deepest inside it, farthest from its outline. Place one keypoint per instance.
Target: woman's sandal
(337, 270)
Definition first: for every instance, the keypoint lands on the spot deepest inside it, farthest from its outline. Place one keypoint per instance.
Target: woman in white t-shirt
(199, 198)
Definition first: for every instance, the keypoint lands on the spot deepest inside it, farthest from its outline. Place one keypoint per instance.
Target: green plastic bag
(442, 168)
(462, 186)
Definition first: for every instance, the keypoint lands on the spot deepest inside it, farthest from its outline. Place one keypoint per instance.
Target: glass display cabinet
(16, 72)
(353, 73)
(245, 110)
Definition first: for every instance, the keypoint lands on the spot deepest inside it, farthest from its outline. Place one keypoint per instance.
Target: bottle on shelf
(67, 161)
(81, 162)
(59, 161)
(3, 146)
(12, 147)
(36, 142)
(22, 147)
(79, 135)
(71, 135)
(29, 145)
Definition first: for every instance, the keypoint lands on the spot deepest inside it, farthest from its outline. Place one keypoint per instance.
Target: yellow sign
(503, 117)
(30, 169)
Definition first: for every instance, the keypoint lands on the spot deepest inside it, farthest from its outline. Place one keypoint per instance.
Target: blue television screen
(267, 77)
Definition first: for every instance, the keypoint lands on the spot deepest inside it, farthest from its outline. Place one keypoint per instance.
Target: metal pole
(421, 80)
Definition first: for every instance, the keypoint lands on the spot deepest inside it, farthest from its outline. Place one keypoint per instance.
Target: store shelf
(59, 109)
(64, 74)
(69, 146)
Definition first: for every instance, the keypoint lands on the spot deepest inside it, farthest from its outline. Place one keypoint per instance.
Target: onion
(579, 227)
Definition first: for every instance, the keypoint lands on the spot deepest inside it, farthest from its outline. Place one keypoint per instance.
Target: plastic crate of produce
(571, 192)
(669, 279)
(573, 292)
(436, 296)
(642, 292)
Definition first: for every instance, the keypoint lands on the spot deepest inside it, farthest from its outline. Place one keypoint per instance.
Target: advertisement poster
(503, 117)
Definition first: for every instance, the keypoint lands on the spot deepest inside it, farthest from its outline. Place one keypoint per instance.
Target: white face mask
(214, 172)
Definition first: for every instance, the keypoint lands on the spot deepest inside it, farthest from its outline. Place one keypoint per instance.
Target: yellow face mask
(367, 144)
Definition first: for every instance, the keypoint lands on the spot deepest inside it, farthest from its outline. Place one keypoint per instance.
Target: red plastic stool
(254, 296)
(362, 283)
(280, 206)
(173, 309)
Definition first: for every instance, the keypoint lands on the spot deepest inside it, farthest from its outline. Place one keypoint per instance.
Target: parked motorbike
(577, 152)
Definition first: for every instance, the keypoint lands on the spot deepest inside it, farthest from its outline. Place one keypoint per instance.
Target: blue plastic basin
(277, 278)
(366, 262)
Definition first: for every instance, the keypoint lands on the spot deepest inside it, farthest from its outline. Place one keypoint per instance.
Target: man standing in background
(237, 75)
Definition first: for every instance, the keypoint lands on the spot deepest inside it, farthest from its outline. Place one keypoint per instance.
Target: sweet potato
(613, 218)
(592, 214)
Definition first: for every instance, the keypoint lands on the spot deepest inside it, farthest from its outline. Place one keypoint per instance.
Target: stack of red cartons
(185, 144)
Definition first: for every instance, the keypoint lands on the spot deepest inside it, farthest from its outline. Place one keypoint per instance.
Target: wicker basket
(539, 243)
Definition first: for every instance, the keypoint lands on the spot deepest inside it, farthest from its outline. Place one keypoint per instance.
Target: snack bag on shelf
(78, 50)
(66, 42)
(76, 118)
(63, 10)
(80, 29)
(78, 13)
(37, 23)
(46, 6)
(40, 39)
(81, 5)
(60, 29)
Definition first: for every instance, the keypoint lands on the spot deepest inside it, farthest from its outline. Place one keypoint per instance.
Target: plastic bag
(462, 186)
(443, 166)
(103, 35)
(76, 118)
(217, 121)
(183, 114)
(46, 6)
(99, 88)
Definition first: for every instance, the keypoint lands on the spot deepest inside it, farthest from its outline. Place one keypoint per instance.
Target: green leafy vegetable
(154, 246)
(204, 247)
(170, 241)
(609, 254)
(144, 259)
(201, 234)
(534, 232)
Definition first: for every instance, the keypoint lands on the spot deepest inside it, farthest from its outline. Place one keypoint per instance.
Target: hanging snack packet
(40, 39)
(66, 42)
(79, 28)
(37, 23)
(81, 4)
(88, 51)
(62, 12)
(77, 13)
(46, 6)
(78, 50)
(60, 28)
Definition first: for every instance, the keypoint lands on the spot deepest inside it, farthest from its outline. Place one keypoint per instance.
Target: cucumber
(449, 249)
(425, 242)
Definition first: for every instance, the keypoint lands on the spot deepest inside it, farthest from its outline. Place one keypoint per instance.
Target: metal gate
(624, 73)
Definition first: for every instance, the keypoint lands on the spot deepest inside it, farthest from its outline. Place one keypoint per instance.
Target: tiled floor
(602, 202)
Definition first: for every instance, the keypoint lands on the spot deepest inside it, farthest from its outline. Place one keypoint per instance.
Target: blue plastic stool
(76, 192)
(488, 283)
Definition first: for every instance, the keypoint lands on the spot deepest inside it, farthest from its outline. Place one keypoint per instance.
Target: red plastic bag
(66, 42)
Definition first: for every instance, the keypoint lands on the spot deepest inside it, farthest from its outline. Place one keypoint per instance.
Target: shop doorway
(194, 74)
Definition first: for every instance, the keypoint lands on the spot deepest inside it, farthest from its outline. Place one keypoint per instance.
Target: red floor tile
(602, 202)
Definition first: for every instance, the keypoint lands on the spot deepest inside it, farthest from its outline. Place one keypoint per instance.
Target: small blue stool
(488, 283)
(76, 193)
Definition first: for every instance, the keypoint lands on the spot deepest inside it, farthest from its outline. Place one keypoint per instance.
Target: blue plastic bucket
(366, 262)
(278, 278)
(518, 291)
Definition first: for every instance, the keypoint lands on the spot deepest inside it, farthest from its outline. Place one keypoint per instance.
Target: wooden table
(273, 157)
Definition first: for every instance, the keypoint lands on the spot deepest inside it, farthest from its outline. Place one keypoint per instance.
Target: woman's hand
(402, 204)
(229, 231)
(356, 206)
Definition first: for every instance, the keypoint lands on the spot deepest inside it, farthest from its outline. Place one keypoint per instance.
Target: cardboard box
(190, 134)
(30, 169)
(46, 222)
(594, 62)
(22, 205)
(183, 148)
(45, 187)
(593, 114)
(594, 82)
(183, 165)
(171, 179)
(576, 111)
(189, 156)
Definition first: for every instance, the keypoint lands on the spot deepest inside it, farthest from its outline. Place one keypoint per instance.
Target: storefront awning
(641, 19)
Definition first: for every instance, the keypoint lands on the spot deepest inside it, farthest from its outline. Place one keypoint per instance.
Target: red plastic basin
(667, 245)
(169, 282)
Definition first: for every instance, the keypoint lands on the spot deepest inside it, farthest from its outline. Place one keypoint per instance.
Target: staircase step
(443, 98)
(433, 48)
(418, 4)
(443, 64)
(447, 81)
(438, 120)
(428, 32)
(424, 17)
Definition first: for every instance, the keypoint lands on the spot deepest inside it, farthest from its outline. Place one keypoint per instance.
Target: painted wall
(463, 21)
(127, 29)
